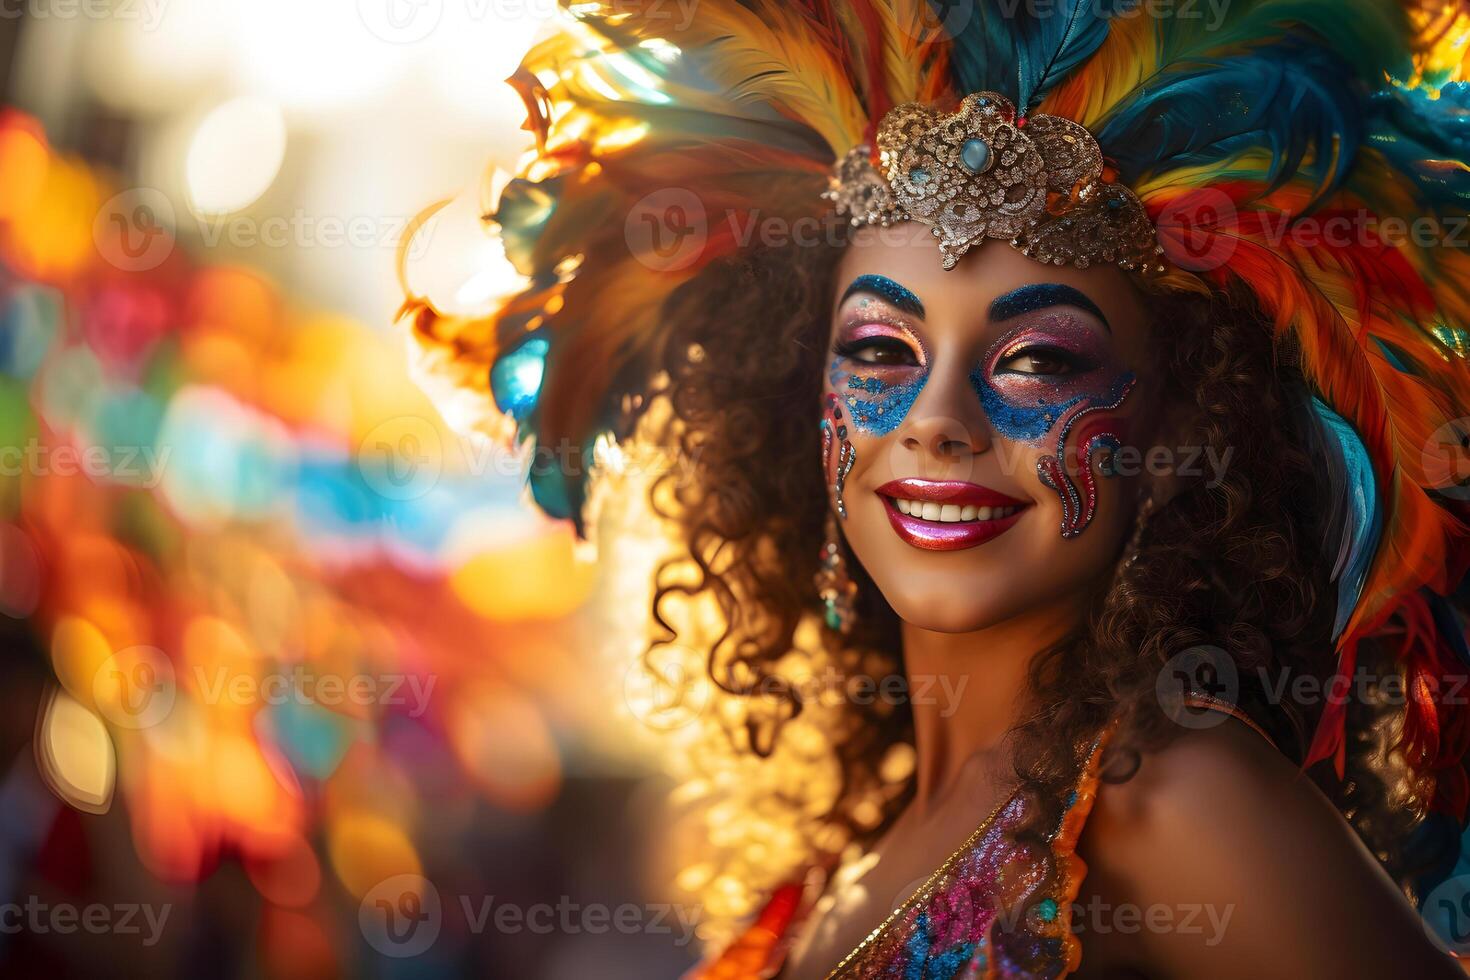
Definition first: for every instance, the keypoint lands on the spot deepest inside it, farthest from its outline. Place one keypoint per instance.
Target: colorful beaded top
(994, 909)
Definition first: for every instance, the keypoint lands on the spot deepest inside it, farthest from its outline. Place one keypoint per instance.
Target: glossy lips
(947, 535)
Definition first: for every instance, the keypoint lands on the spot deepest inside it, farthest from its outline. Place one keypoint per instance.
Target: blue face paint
(897, 295)
(1038, 407)
(1039, 296)
(1025, 407)
(875, 406)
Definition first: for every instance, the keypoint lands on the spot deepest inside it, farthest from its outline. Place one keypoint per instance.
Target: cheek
(876, 403)
(1072, 421)
(1029, 409)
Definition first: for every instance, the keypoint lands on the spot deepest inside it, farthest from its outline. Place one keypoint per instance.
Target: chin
(958, 603)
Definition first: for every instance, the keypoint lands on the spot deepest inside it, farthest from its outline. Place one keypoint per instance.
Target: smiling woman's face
(971, 398)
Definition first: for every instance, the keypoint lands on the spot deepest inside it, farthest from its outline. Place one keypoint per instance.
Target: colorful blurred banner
(303, 637)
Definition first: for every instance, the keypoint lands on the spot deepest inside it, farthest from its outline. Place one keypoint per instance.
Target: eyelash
(851, 349)
(1072, 362)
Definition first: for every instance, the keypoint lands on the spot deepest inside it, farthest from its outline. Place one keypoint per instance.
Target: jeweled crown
(981, 172)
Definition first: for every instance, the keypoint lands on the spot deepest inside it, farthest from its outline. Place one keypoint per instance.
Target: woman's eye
(1039, 360)
(878, 350)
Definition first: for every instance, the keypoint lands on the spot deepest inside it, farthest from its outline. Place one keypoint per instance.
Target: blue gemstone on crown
(918, 175)
(975, 155)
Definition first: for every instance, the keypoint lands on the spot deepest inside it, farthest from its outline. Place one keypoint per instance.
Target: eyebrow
(1038, 296)
(885, 289)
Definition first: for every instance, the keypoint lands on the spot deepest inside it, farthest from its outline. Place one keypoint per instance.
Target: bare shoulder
(1218, 857)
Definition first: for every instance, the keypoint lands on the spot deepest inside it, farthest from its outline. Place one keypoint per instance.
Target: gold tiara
(980, 172)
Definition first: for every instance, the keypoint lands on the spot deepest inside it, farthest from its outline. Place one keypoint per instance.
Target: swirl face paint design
(1027, 406)
(834, 434)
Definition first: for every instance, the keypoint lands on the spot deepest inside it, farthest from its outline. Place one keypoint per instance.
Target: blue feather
(1002, 46)
(1409, 128)
(1300, 102)
(1359, 520)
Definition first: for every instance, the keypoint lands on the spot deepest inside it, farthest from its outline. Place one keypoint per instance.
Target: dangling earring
(1140, 521)
(834, 432)
(835, 586)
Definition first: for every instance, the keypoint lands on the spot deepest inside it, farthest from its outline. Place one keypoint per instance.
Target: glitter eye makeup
(1040, 295)
(879, 364)
(881, 286)
(1025, 404)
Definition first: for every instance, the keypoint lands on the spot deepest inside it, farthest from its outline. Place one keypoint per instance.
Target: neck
(968, 690)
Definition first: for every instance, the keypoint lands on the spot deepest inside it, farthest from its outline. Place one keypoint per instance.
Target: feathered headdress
(662, 132)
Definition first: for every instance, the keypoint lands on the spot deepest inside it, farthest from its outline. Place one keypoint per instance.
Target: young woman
(1099, 366)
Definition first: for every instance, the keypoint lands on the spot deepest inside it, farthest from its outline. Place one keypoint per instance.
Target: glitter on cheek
(1025, 408)
(877, 406)
(1018, 422)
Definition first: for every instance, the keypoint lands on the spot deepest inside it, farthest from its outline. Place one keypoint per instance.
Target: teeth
(932, 510)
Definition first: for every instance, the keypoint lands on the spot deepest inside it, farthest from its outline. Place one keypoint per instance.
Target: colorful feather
(1281, 115)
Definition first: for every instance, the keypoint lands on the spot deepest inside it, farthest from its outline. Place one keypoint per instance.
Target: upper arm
(1220, 859)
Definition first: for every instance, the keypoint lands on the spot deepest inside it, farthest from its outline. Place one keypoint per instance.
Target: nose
(947, 422)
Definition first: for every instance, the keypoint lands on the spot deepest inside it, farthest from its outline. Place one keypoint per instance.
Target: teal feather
(1356, 516)
(1297, 101)
(1001, 46)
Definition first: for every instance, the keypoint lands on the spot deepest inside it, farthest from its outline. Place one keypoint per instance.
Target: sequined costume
(985, 913)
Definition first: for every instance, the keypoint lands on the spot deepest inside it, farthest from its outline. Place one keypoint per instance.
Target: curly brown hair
(1241, 564)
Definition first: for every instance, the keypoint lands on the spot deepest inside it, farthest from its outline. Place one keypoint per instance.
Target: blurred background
(296, 682)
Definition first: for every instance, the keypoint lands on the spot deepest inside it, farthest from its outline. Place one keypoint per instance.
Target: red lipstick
(947, 535)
